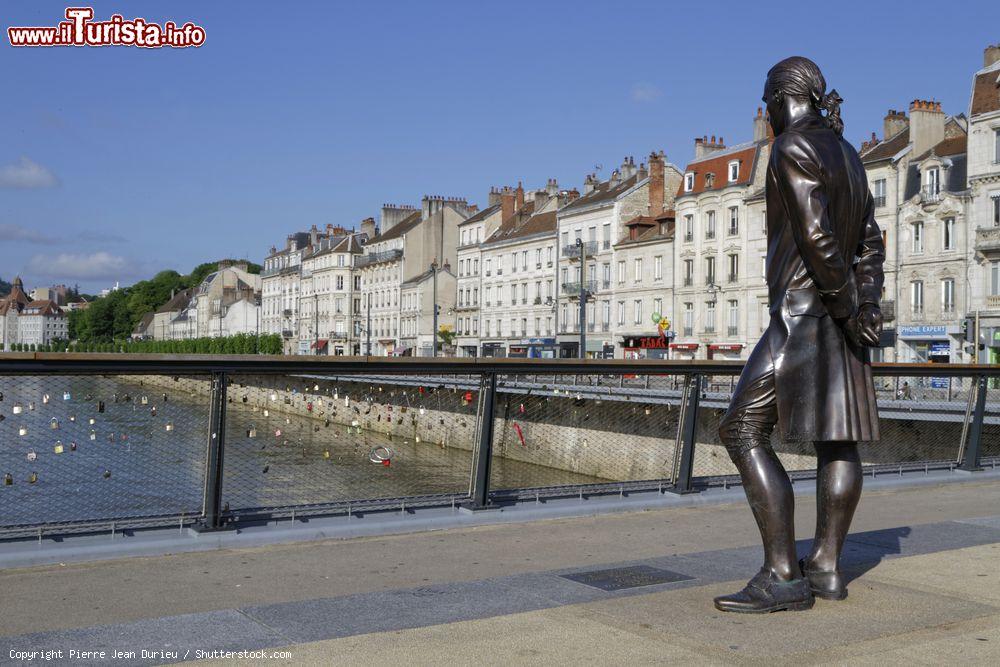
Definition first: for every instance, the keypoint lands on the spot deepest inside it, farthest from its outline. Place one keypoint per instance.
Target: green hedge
(238, 344)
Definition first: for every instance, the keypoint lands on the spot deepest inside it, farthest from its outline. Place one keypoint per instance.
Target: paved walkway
(926, 563)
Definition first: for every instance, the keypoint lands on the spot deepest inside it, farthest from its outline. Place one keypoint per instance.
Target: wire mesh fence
(560, 430)
(308, 440)
(100, 448)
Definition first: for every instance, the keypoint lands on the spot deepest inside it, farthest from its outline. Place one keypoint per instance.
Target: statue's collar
(809, 121)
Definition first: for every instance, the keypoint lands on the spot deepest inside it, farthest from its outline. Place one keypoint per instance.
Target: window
(710, 226)
(709, 270)
(734, 318)
(996, 145)
(918, 238)
(606, 314)
(917, 298)
(878, 192)
(621, 271)
(688, 228)
(658, 306)
(524, 326)
(548, 255)
(948, 234)
(606, 236)
(638, 269)
(621, 311)
(524, 260)
(565, 275)
(465, 237)
(592, 234)
(513, 262)
(489, 265)
(994, 278)
(606, 274)
(932, 182)
(638, 311)
(734, 171)
(948, 296)
(538, 258)
(734, 268)
(688, 272)
(734, 220)
(688, 319)
(709, 317)
(996, 209)
(658, 267)
(688, 182)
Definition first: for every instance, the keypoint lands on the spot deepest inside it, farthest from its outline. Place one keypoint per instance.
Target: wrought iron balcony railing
(574, 289)
(377, 257)
(573, 251)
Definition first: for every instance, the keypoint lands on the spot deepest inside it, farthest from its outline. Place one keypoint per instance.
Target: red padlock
(386, 462)
(309, 406)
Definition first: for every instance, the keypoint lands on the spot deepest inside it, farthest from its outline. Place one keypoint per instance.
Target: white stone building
(281, 284)
(327, 323)
(24, 321)
(469, 275)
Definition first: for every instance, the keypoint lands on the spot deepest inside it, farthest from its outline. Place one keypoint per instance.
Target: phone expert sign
(80, 29)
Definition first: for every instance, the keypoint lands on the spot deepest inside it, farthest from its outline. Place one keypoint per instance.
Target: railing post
(212, 509)
(482, 455)
(970, 462)
(688, 433)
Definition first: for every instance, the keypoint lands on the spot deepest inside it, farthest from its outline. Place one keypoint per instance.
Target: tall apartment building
(469, 276)
(519, 258)
(719, 302)
(597, 219)
(327, 321)
(407, 244)
(281, 282)
(984, 185)
(917, 175)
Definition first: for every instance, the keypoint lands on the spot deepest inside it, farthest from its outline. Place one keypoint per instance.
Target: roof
(652, 228)
(886, 149)
(400, 228)
(416, 280)
(602, 192)
(512, 224)
(986, 92)
(953, 179)
(179, 301)
(481, 215)
(948, 147)
(43, 306)
(144, 323)
(717, 163)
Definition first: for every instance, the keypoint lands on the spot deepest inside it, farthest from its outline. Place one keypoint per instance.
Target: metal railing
(114, 442)
(573, 251)
(576, 288)
(377, 257)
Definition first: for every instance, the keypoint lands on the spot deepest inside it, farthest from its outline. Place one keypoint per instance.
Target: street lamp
(434, 326)
(584, 295)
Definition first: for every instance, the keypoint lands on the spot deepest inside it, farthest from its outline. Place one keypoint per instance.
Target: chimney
(589, 183)
(655, 183)
(991, 55)
(393, 214)
(628, 167)
(705, 146)
(494, 197)
(552, 187)
(760, 125)
(519, 201)
(507, 198)
(616, 178)
(567, 196)
(926, 125)
(313, 235)
(641, 173)
(368, 227)
(894, 123)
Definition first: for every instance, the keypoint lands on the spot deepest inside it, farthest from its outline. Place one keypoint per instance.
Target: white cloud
(26, 174)
(19, 233)
(645, 92)
(77, 266)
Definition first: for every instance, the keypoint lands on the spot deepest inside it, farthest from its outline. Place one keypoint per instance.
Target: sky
(118, 162)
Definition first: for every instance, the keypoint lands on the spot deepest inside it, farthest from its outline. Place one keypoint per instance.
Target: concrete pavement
(927, 562)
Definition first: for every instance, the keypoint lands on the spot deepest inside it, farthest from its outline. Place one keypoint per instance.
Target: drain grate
(634, 576)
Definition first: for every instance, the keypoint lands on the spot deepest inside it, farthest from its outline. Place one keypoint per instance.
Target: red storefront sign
(645, 342)
(735, 347)
(684, 346)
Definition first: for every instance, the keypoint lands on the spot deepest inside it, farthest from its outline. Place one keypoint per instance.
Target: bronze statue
(810, 373)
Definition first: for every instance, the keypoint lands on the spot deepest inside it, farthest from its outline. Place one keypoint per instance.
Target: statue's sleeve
(871, 254)
(801, 187)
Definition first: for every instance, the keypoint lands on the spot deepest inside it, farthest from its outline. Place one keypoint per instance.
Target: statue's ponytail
(831, 104)
(801, 77)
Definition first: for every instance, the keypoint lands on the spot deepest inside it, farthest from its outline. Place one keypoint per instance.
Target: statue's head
(797, 83)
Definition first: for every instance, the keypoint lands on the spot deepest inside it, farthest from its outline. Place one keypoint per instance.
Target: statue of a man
(810, 372)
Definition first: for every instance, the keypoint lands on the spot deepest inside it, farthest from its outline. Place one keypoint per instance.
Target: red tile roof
(718, 164)
(952, 146)
(986, 92)
(888, 148)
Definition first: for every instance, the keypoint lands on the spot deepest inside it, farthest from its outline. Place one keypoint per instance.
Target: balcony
(709, 329)
(591, 327)
(606, 284)
(573, 251)
(879, 201)
(988, 240)
(733, 331)
(378, 257)
(709, 280)
(993, 301)
(538, 265)
(688, 237)
(286, 333)
(574, 289)
(688, 331)
(688, 281)
(930, 194)
(734, 230)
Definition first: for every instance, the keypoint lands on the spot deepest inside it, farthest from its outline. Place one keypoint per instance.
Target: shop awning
(684, 346)
(320, 344)
(722, 347)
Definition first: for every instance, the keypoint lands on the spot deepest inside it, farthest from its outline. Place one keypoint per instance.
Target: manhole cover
(634, 576)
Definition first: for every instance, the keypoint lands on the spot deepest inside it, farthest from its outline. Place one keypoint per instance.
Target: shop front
(684, 350)
(928, 343)
(533, 348)
(494, 349)
(725, 351)
(646, 347)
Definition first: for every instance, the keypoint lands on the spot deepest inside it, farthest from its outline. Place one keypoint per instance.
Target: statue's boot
(826, 584)
(764, 594)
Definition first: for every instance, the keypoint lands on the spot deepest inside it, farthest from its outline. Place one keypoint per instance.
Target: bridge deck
(925, 560)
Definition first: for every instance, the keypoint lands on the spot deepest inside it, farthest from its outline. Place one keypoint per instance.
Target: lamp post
(316, 322)
(434, 329)
(584, 295)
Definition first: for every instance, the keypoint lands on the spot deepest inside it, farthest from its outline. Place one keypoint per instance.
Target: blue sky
(318, 113)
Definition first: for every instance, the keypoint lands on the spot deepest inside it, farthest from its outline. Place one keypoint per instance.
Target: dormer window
(688, 182)
(709, 180)
(734, 171)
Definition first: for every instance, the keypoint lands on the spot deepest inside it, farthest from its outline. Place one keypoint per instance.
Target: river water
(86, 448)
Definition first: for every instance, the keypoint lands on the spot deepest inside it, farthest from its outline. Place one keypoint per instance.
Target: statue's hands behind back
(865, 328)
